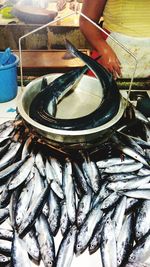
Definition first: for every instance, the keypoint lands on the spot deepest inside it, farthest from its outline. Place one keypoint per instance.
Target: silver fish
(31, 244)
(57, 189)
(5, 246)
(54, 212)
(6, 128)
(140, 252)
(103, 193)
(125, 240)
(4, 259)
(4, 214)
(87, 229)
(118, 215)
(64, 220)
(8, 158)
(5, 173)
(91, 172)
(114, 161)
(57, 167)
(130, 184)
(108, 241)
(128, 151)
(21, 174)
(24, 202)
(80, 178)
(39, 161)
(19, 255)
(137, 193)
(45, 240)
(69, 192)
(124, 168)
(84, 206)
(6, 234)
(142, 222)
(110, 200)
(33, 212)
(25, 150)
(66, 248)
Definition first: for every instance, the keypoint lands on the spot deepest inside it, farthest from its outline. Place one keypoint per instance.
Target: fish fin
(70, 47)
(44, 83)
(68, 55)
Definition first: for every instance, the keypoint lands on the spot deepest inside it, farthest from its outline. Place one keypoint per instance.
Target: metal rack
(92, 22)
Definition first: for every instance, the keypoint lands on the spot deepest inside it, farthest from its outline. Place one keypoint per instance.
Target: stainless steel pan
(81, 101)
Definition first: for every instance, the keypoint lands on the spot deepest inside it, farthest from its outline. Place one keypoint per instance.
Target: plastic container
(8, 78)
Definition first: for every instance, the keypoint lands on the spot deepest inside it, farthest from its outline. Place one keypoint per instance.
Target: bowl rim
(61, 132)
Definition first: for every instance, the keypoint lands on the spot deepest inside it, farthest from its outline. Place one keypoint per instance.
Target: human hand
(109, 60)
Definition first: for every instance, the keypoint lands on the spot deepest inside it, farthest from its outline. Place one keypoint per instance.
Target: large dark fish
(106, 110)
(45, 101)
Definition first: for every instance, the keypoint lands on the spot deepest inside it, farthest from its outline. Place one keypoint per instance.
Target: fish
(84, 207)
(5, 246)
(21, 175)
(39, 161)
(87, 229)
(57, 167)
(24, 202)
(45, 101)
(118, 215)
(32, 213)
(125, 240)
(66, 248)
(137, 193)
(110, 200)
(129, 184)
(108, 241)
(128, 150)
(140, 251)
(45, 240)
(4, 259)
(4, 146)
(9, 156)
(64, 220)
(91, 172)
(95, 241)
(8, 171)
(142, 223)
(54, 212)
(4, 214)
(124, 168)
(101, 115)
(80, 178)
(19, 255)
(6, 129)
(69, 190)
(113, 161)
(31, 244)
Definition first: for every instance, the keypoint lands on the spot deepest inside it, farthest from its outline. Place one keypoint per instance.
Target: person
(129, 23)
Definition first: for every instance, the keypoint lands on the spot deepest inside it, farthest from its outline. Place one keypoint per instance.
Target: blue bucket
(8, 78)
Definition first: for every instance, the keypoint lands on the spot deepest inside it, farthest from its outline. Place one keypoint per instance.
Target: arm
(94, 10)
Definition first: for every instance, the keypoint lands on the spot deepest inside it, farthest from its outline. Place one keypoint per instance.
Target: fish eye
(119, 261)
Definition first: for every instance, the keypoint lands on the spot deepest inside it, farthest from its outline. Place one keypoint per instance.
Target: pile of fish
(97, 199)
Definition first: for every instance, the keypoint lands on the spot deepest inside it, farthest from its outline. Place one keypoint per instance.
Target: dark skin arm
(94, 10)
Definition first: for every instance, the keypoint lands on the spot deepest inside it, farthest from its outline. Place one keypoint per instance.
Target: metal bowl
(81, 101)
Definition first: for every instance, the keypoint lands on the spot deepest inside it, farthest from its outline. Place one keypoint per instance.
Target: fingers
(113, 65)
(110, 60)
